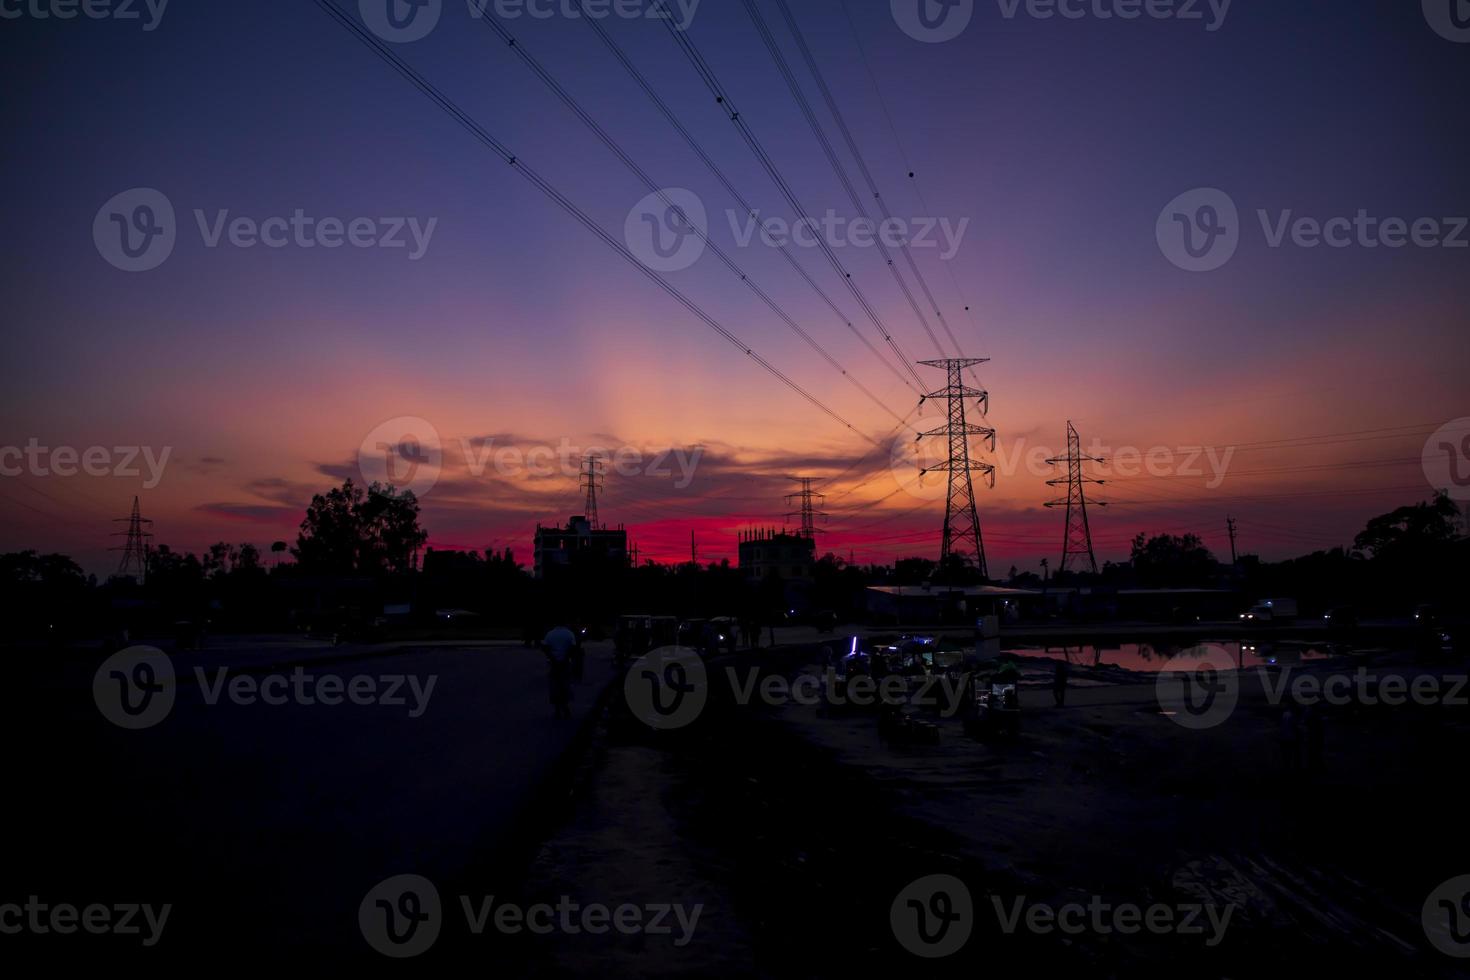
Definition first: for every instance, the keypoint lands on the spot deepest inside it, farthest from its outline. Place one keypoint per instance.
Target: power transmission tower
(592, 482)
(961, 522)
(1078, 539)
(135, 550)
(1230, 526)
(808, 512)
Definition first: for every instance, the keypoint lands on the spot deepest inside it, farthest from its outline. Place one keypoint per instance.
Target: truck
(1271, 611)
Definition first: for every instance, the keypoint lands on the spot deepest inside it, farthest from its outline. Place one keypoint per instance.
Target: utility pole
(807, 513)
(1078, 536)
(135, 550)
(693, 549)
(961, 521)
(592, 482)
(1230, 526)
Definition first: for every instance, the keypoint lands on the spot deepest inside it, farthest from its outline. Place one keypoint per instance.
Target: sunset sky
(263, 370)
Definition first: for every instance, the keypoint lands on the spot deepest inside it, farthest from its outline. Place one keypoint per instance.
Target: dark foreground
(759, 840)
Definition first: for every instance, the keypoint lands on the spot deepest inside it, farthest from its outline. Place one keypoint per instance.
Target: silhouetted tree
(352, 531)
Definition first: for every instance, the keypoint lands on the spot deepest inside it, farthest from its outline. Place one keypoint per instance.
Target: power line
(811, 119)
(541, 184)
(729, 186)
(712, 82)
(903, 154)
(842, 127)
(653, 186)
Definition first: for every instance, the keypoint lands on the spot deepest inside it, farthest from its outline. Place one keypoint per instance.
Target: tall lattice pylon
(135, 550)
(961, 520)
(592, 482)
(1078, 541)
(807, 512)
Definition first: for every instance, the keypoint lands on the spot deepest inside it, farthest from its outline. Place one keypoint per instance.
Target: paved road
(264, 825)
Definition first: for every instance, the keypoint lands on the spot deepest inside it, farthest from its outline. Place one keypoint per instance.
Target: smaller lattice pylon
(135, 550)
(1077, 539)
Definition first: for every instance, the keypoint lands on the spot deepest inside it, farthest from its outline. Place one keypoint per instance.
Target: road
(264, 825)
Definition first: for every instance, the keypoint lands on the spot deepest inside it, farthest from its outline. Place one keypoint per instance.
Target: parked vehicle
(726, 631)
(633, 637)
(993, 708)
(1340, 617)
(692, 633)
(663, 631)
(1271, 611)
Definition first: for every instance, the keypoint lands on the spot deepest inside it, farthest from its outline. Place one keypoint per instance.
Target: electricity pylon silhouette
(808, 513)
(135, 550)
(592, 482)
(961, 521)
(1078, 539)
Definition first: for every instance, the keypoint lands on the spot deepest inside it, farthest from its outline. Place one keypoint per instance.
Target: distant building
(579, 542)
(777, 554)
